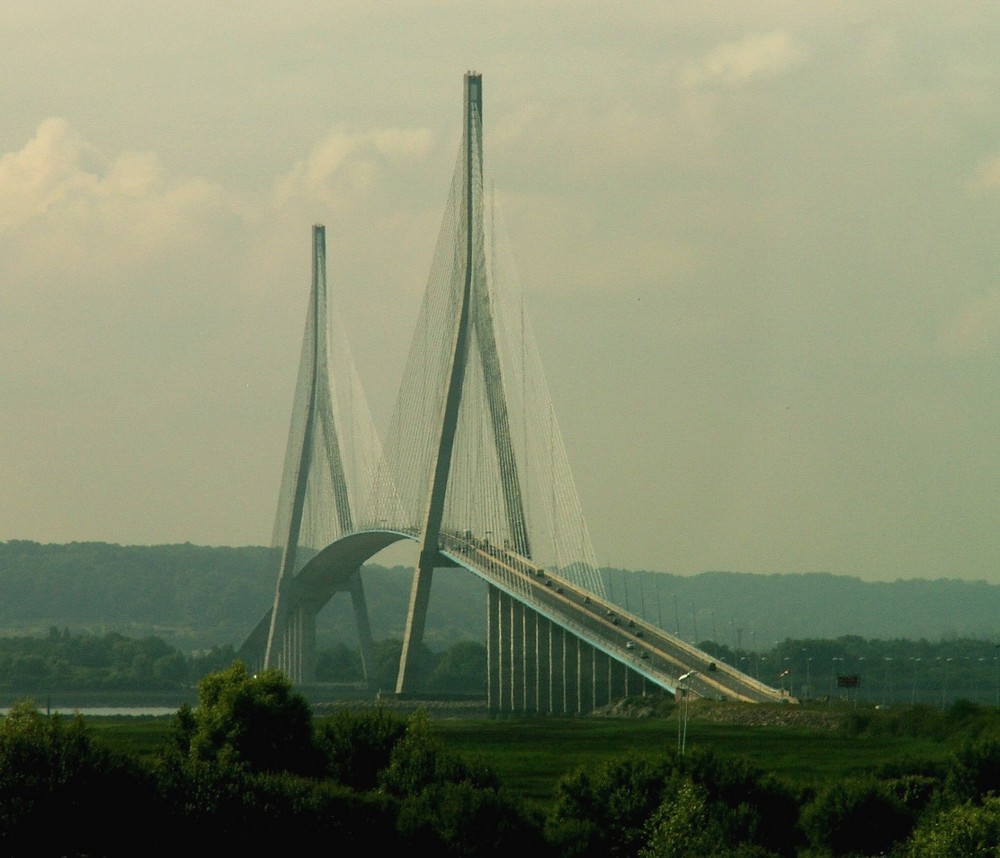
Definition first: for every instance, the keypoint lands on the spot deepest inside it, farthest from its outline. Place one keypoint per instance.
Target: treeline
(460, 669)
(882, 672)
(251, 770)
(194, 598)
(197, 597)
(63, 661)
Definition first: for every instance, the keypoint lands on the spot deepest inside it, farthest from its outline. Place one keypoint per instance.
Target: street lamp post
(682, 735)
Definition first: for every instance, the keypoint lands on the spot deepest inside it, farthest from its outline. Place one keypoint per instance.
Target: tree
(451, 805)
(682, 826)
(358, 745)
(340, 664)
(603, 811)
(461, 669)
(420, 760)
(461, 819)
(63, 794)
(253, 721)
(857, 816)
(749, 806)
(968, 830)
(975, 772)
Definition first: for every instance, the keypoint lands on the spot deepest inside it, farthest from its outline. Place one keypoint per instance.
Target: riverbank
(325, 699)
(70, 701)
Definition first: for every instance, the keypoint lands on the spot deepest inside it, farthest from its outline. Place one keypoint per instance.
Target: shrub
(967, 830)
(857, 816)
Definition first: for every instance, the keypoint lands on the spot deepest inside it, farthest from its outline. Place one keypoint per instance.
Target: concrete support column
(531, 620)
(307, 643)
(600, 682)
(493, 657)
(532, 663)
(285, 661)
(298, 648)
(584, 696)
(557, 670)
(617, 680)
(517, 654)
(543, 664)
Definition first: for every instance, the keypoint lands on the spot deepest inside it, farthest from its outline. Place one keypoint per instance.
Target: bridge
(473, 470)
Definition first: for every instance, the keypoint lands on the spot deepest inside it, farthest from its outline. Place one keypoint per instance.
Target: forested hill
(198, 597)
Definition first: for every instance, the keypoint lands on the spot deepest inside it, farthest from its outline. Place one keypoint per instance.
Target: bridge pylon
(314, 468)
(472, 328)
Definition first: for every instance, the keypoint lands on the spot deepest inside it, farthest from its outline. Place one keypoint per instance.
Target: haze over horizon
(759, 249)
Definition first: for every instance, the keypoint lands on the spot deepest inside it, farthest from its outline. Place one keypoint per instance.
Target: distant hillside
(198, 597)
(754, 611)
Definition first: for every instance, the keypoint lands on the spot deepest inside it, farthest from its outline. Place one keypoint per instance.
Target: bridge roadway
(663, 659)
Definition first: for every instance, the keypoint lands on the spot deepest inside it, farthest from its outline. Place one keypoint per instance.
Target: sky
(759, 243)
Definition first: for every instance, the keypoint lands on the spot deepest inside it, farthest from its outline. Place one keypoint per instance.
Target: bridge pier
(536, 666)
(518, 652)
(296, 653)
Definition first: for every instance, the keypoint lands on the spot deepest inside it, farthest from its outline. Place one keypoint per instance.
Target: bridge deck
(662, 658)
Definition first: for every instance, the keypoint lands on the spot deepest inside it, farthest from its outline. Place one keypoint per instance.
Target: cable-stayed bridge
(474, 471)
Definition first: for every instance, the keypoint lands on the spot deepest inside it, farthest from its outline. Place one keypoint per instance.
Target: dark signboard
(850, 680)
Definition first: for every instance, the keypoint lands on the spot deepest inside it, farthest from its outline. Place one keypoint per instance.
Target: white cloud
(344, 166)
(62, 201)
(735, 63)
(44, 173)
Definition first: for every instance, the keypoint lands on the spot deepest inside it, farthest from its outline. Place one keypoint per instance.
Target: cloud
(62, 201)
(736, 63)
(46, 172)
(343, 166)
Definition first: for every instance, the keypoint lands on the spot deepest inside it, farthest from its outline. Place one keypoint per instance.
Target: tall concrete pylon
(474, 315)
(318, 446)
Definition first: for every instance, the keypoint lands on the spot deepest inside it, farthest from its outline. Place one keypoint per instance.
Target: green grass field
(531, 754)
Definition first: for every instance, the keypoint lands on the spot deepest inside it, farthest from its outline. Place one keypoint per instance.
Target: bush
(461, 819)
(681, 827)
(253, 721)
(975, 772)
(357, 746)
(604, 811)
(63, 794)
(857, 817)
(967, 830)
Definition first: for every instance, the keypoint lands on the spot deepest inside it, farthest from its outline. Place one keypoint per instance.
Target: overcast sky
(759, 243)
